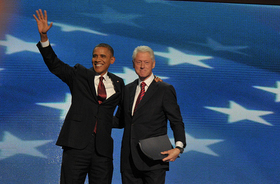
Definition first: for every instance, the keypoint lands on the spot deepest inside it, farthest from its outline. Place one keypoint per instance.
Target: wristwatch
(181, 149)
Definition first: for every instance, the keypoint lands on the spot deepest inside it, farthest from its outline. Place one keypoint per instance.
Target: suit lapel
(116, 82)
(148, 94)
(132, 90)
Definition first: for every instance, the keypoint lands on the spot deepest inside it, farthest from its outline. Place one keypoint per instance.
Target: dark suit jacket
(85, 110)
(150, 120)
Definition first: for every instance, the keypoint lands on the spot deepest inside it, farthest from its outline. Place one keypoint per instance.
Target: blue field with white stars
(223, 60)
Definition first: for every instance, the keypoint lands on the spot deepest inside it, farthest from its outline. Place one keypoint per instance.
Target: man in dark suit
(86, 133)
(147, 119)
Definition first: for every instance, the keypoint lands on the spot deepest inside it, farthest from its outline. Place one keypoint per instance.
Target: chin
(98, 70)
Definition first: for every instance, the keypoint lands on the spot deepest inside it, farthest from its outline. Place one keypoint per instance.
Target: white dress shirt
(45, 44)
(148, 82)
(109, 87)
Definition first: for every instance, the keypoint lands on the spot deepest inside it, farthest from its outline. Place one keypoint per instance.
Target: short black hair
(106, 46)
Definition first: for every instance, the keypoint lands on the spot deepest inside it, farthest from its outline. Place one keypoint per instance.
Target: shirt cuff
(45, 44)
(179, 144)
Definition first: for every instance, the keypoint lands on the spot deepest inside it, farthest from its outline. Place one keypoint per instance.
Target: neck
(144, 78)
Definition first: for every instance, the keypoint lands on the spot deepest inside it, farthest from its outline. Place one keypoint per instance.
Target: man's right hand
(42, 23)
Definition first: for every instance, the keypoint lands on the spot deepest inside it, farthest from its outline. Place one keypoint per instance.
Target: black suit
(85, 110)
(149, 120)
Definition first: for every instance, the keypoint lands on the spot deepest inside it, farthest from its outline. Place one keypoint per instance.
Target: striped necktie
(141, 94)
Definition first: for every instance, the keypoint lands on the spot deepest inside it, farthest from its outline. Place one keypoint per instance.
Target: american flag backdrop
(222, 59)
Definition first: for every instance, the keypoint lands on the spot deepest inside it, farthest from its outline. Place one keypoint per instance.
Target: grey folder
(152, 147)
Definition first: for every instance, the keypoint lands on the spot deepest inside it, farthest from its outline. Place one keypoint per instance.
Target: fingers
(35, 17)
(164, 152)
(172, 155)
(40, 15)
(46, 16)
(157, 79)
(168, 159)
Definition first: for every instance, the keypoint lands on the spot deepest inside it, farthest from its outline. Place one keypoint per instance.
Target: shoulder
(116, 78)
(134, 83)
(79, 67)
(82, 71)
(163, 84)
(111, 75)
(165, 88)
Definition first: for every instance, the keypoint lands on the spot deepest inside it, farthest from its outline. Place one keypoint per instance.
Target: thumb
(51, 24)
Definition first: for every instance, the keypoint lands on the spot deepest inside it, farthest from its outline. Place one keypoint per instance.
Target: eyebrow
(103, 55)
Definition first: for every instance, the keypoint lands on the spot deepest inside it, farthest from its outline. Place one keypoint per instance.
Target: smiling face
(101, 59)
(143, 65)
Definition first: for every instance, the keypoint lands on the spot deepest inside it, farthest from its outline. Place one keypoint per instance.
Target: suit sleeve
(173, 113)
(55, 65)
(118, 119)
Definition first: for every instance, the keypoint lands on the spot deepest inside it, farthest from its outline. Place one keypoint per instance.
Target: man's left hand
(172, 155)
(157, 79)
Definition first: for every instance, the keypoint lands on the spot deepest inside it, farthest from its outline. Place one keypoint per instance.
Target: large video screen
(222, 58)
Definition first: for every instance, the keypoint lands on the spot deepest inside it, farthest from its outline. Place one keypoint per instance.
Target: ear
(154, 64)
(133, 64)
(112, 60)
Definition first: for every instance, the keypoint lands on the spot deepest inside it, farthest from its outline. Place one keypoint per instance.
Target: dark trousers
(131, 175)
(76, 164)
(144, 177)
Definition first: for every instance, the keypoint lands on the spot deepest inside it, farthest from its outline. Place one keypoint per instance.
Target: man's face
(143, 65)
(101, 60)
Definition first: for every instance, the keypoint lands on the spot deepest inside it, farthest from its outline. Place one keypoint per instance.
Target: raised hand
(42, 21)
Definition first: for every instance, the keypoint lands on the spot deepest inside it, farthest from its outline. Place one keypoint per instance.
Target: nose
(142, 65)
(96, 59)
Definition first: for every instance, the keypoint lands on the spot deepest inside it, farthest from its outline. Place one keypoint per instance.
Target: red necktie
(141, 94)
(101, 91)
(101, 95)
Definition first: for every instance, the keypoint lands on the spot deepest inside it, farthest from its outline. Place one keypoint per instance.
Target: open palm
(42, 21)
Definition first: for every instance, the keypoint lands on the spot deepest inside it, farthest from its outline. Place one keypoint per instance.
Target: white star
(12, 145)
(15, 45)
(176, 57)
(68, 28)
(110, 16)
(238, 113)
(1, 69)
(63, 106)
(276, 90)
(199, 145)
(216, 46)
(129, 75)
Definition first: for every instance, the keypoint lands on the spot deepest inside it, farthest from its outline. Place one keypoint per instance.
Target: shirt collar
(148, 81)
(105, 76)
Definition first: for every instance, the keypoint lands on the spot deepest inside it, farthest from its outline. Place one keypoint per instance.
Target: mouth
(98, 64)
